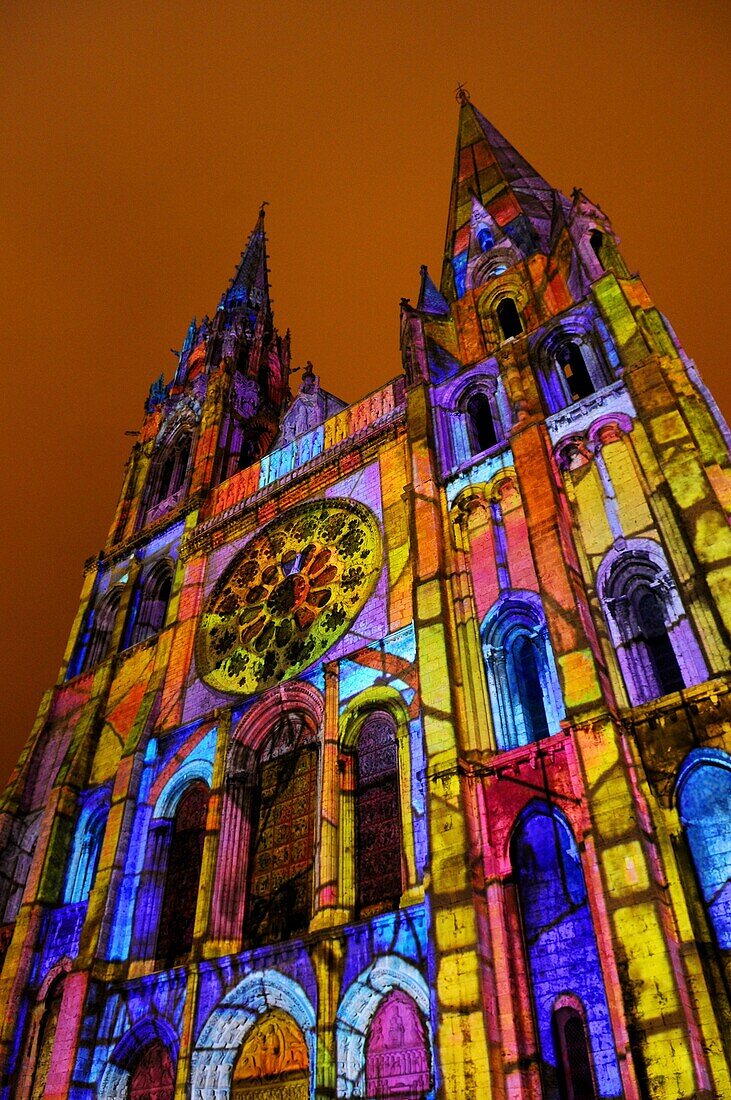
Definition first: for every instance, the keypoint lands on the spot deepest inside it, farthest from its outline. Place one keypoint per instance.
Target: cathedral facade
(390, 755)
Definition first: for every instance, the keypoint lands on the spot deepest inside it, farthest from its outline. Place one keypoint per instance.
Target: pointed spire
(489, 171)
(430, 300)
(250, 285)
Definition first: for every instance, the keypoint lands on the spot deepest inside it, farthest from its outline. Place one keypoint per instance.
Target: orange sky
(140, 138)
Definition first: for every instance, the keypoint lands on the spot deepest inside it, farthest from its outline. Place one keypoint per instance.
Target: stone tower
(391, 751)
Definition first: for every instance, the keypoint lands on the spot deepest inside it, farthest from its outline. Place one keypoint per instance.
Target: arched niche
(273, 1060)
(358, 1010)
(222, 1039)
(397, 1050)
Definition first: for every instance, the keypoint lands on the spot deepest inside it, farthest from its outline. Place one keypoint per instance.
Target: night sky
(140, 139)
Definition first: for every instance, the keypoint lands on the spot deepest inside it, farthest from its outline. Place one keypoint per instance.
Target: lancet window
(596, 240)
(641, 606)
(525, 694)
(567, 982)
(182, 876)
(704, 803)
(281, 858)
(96, 643)
(167, 477)
(480, 423)
(509, 318)
(150, 604)
(378, 816)
(85, 852)
(570, 360)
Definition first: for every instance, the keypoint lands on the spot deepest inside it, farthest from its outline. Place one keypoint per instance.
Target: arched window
(397, 1055)
(575, 1076)
(151, 604)
(480, 424)
(485, 238)
(525, 695)
(638, 603)
(153, 1077)
(378, 816)
(578, 380)
(167, 477)
(528, 681)
(596, 240)
(704, 803)
(46, 1036)
(84, 857)
(562, 954)
(282, 851)
(509, 318)
(182, 876)
(102, 626)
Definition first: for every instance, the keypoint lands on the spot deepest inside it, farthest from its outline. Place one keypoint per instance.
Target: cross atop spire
(462, 95)
(488, 169)
(250, 285)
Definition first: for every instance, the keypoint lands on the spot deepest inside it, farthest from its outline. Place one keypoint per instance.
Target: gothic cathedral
(390, 755)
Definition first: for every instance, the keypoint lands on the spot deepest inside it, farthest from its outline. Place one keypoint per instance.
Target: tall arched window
(509, 318)
(45, 1039)
(525, 658)
(84, 856)
(378, 816)
(525, 694)
(282, 853)
(153, 1078)
(575, 1076)
(562, 954)
(151, 604)
(167, 477)
(640, 604)
(99, 639)
(182, 876)
(571, 361)
(480, 424)
(704, 803)
(397, 1054)
(596, 240)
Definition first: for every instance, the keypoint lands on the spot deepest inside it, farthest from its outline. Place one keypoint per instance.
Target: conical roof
(487, 168)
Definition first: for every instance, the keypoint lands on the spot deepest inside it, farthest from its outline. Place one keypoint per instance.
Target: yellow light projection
(289, 595)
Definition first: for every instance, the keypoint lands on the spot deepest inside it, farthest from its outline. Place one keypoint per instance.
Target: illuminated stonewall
(389, 755)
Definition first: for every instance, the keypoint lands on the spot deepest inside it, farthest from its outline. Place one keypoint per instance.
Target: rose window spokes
(289, 595)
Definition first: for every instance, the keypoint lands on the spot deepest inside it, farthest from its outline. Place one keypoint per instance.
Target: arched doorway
(153, 1077)
(397, 1060)
(273, 1061)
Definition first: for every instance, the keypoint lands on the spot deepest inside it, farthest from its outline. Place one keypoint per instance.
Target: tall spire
(250, 285)
(488, 169)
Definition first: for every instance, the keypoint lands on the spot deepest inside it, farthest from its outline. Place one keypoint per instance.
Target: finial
(462, 95)
(261, 208)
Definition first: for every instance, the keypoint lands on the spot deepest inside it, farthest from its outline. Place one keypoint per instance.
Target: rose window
(289, 595)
